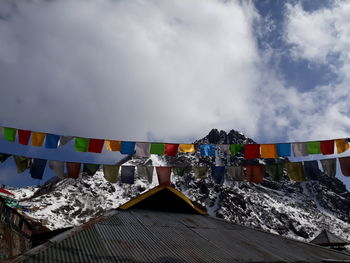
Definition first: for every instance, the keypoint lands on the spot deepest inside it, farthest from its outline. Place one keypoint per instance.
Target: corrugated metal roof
(327, 238)
(153, 236)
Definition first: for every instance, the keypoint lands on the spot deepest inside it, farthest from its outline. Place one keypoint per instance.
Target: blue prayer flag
(208, 149)
(127, 174)
(218, 174)
(38, 168)
(283, 149)
(127, 148)
(51, 141)
(311, 170)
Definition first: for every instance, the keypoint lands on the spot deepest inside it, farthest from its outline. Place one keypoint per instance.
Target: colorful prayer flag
(252, 151)
(283, 149)
(58, 168)
(186, 148)
(171, 149)
(81, 144)
(127, 174)
(90, 168)
(73, 170)
(38, 168)
(157, 148)
(268, 151)
(200, 171)
(143, 149)
(181, 171)
(224, 148)
(299, 149)
(342, 145)
(207, 149)
(313, 147)
(329, 166)
(127, 148)
(10, 134)
(235, 173)
(22, 163)
(4, 156)
(145, 172)
(345, 165)
(23, 137)
(51, 141)
(311, 170)
(218, 174)
(236, 148)
(114, 146)
(96, 145)
(255, 173)
(64, 140)
(111, 173)
(163, 174)
(275, 171)
(327, 147)
(38, 138)
(295, 171)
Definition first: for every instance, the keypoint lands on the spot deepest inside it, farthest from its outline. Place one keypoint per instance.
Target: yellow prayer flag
(268, 151)
(38, 138)
(113, 145)
(342, 145)
(186, 148)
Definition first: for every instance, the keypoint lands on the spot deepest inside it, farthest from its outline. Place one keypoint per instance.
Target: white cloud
(321, 37)
(129, 69)
(165, 70)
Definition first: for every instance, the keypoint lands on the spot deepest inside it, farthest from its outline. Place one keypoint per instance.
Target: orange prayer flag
(38, 138)
(342, 145)
(186, 148)
(113, 145)
(268, 151)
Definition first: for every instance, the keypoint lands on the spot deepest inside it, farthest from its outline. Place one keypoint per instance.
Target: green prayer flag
(275, 171)
(10, 134)
(181, 171)
(111, 173)
(90, 168)
(157, 148)
(81, 144)
(236, 148)
(22, 163)
(3, 157)
(313, 147)
(295, 171)
(201, 171)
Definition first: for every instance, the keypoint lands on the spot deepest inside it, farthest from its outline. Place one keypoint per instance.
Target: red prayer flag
(73, 170)
(252, 151)
(96, 145)
(255, 173)
(327, 147)
(4, 191)
(171, 149)
(345, 165)
(163, 174)
(23, 137)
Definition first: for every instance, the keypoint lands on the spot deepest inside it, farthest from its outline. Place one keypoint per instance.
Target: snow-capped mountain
(298, 210)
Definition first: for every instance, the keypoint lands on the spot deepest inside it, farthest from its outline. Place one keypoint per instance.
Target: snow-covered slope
(298, 210)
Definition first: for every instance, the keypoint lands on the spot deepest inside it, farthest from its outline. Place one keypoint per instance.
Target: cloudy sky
(171, 70)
